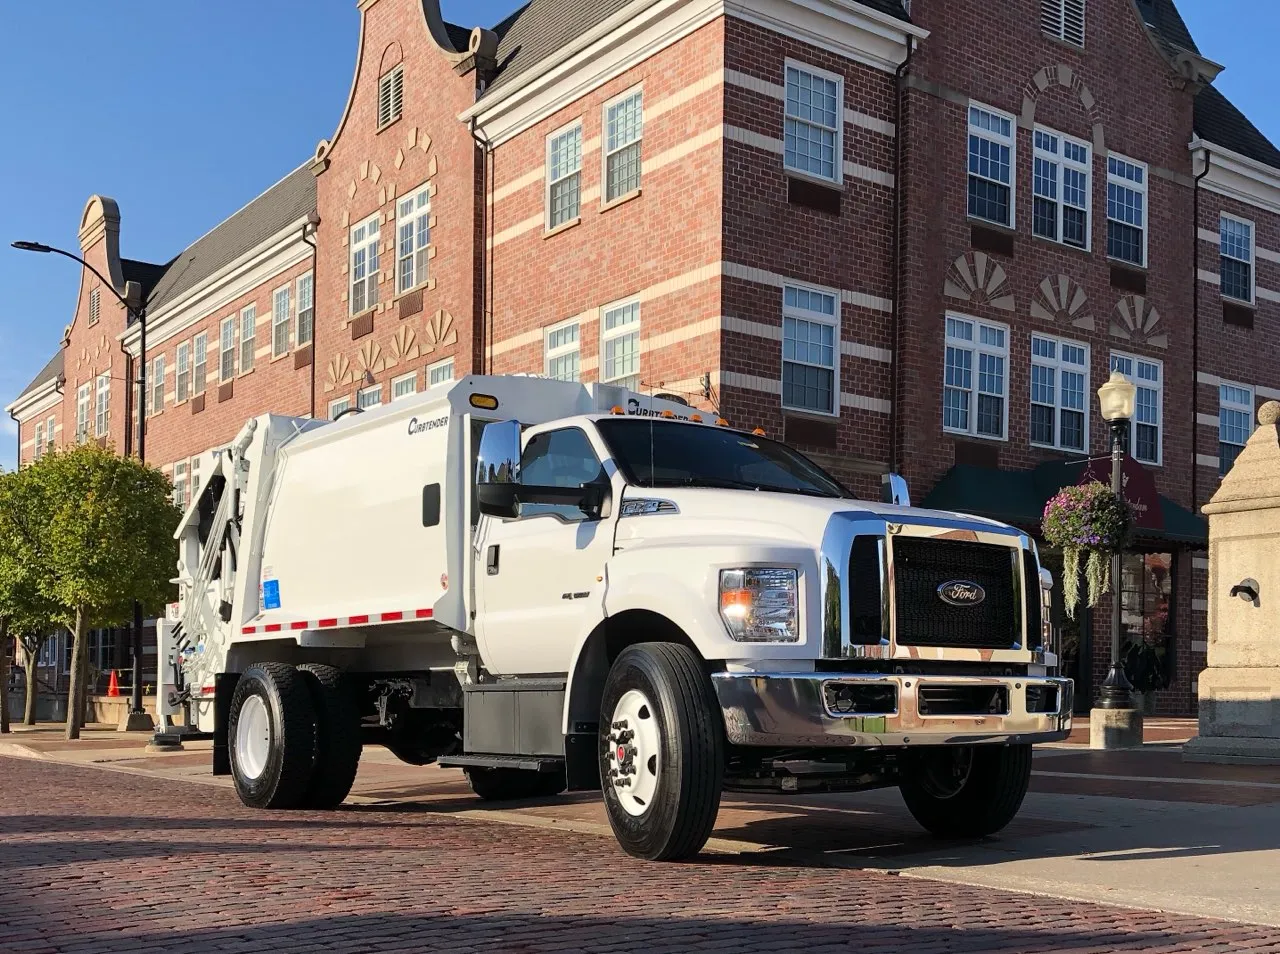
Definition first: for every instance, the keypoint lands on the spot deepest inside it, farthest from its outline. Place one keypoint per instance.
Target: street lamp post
(135, 306)
(1117, 399)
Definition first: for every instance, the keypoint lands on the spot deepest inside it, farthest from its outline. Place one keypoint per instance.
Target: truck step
(529, 763)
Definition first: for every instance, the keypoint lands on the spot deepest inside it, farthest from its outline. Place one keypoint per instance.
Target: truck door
(539, 575)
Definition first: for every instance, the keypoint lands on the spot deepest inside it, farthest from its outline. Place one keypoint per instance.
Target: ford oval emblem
(961, 593)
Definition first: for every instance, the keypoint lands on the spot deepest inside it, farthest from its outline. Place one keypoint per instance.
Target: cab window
(563, 458)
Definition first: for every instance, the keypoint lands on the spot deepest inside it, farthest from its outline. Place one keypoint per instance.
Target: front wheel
(966, 791)
(662, 752)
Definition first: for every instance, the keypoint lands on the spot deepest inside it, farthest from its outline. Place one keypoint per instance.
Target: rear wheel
(662, 752)
(272, 734)
(966, 791)
(338, 744)
(504, 784)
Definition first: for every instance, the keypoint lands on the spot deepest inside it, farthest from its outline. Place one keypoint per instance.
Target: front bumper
(796, 709)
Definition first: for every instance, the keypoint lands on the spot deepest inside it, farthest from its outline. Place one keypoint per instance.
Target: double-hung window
(1059, 393)
(102, 419)
(810, 350)
(623, 129)
(338, 406)
(413, 235)
(1142, 438)
(1235, 422)
(404, 386)
(306, 309)
(369, 397)
(180, 485)
(991, 152)
(37, 451)
(199, 363)
(440, 373)
(1061, 185)
(365, 264)
(84, 400)
(1126, 210)
(1063, 20)
(564, 176)
(50, 430)
(620, 345)
(561, 351)
(390, 96)
(1237, 259)
(155, 385)
(281, 315)
(227, 350)
(248, 337)
(182, 386)
(976, 404)
(813, 127)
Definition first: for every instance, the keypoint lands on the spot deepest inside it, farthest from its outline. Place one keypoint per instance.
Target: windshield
(670, 454)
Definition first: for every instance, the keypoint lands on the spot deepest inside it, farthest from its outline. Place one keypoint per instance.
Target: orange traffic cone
(113, 687)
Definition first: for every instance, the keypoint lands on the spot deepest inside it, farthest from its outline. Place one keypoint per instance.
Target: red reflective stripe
(356, 620)
(300, 625)
(250, 629)
(271, 628)
(392, 617)
(327, 623)
(423, 614)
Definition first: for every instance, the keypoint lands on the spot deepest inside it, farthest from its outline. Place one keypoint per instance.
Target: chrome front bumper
(793, 709)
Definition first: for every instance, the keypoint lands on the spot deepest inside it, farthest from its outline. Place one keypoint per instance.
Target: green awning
(1018, 497)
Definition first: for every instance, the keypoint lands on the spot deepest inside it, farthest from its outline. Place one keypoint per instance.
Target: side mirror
(893, 490)
(498, 469)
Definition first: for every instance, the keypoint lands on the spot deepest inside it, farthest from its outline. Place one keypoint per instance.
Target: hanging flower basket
(1090, 521)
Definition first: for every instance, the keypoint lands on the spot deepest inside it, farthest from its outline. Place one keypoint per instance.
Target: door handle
(491, 560)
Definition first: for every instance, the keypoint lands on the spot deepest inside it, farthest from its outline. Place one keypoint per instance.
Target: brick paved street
(166, 865)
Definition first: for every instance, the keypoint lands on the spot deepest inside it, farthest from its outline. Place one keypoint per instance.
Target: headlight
(761, 605)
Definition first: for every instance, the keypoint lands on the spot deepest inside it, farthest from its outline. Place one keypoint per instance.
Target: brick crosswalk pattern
(117, 863)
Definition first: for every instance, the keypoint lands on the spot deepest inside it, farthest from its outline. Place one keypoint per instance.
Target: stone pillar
(1240, 689)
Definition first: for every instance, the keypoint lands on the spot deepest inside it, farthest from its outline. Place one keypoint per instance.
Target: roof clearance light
(485, 402)
(758, 432)
(696, 418)
(668, 413)
(721, 422)
(615, 410)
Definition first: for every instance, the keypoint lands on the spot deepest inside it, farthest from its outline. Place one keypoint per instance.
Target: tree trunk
(4, 676)
(79, 674)
(31, 656)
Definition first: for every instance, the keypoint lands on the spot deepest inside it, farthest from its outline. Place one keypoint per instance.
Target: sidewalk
(1137, 828)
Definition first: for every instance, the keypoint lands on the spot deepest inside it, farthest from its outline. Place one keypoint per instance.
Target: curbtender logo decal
(421, 427)
(634, 409)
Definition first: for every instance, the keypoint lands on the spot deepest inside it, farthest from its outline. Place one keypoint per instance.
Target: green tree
(100, 530)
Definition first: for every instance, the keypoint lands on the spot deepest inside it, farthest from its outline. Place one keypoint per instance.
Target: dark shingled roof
(541, 27)
(289, 200)
(47, 373)
(1163, 17)
(1219, 122)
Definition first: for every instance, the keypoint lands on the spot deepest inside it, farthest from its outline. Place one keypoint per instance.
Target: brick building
(851, 223)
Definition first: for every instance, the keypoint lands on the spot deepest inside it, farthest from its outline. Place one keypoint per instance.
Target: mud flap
(224, 688)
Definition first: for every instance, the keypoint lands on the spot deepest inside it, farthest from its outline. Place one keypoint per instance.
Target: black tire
(678, 820)
(291, 752)
(338, 742)
(506, 785)
(983, 803)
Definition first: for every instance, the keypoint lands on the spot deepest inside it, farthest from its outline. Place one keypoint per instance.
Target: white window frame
(39, 445)
(95, 305)
(977, 348)
(84, 400)
(51, 432)
(837, 177)
(227, 369)
(281, 321)
(1140, 189)
(553, 137)
(182, 381)
(606, 153)
(397, 386)
(1244, 407)
(1059, 200)
(369, 244)
(797, 313)
(1058, 366)
(102, 406)
(1011, 141)
(1224, 218)
(434, 370)
(249, 340)
(307, 281)
(622, 332)
(338, 405)
(390, 91)
(199, 361)
(364, 394)
(550, 354)
(1146, 384)
(418, 258)
(1056, 20)
(155, 385)
(181, 486)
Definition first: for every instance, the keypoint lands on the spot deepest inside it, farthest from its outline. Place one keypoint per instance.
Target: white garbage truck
(559, 586)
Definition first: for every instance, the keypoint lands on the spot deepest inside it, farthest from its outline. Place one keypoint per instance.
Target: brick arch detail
(392, 56)
(1063, 76)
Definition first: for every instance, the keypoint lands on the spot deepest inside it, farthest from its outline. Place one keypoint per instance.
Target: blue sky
(184, 111)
